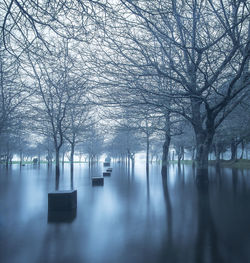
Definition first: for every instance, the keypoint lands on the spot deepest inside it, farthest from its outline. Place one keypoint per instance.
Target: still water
(132, 218)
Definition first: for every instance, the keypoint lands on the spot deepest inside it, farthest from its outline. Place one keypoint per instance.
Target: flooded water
(131, 218)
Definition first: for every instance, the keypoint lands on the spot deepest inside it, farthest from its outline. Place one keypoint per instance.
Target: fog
(150, 89)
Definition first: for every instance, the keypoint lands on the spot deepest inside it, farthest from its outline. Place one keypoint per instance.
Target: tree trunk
(179, 157)
(72, 151)
(166, 143)
(57, 168)
(233, 150)
(203, 144)
(49, 158)
(217, 154)
(165, 153)
(182, 153)
(21, 158)
(203, 137)
(63, 157)
(172, 155)
(71, 179)
(193, 153)
(242, 149)
(193, 156)
(7, 161)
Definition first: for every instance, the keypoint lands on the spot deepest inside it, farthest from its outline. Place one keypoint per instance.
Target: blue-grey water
(132, 218)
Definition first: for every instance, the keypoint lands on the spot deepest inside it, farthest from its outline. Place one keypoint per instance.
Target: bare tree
(13, 91)
(57, 89)
(23, 24)
(202, 48)
(93, 143)
(79, 120)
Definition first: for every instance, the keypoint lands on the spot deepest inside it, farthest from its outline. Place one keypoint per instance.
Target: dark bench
(97, 181)
(62, 200)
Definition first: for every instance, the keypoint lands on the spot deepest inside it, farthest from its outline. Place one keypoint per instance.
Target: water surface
(132, 218)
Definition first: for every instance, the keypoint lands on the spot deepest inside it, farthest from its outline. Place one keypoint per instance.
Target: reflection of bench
(106, 173)
(61, 216)
(106, 164)
(97, 181)
(109, 170)
(62, 200)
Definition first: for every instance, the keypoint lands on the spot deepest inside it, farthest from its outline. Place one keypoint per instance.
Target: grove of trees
(124, 76)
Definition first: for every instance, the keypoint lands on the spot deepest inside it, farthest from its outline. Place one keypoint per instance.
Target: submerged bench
(106, 173)
(97, 181)
(62, 200)
(109, 170)
(106, 164)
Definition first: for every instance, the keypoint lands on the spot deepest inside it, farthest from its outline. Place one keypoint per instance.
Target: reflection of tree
(148, 187)
(57, 182)
(207, 240)
(167, 246)
(201, 177)
(71, 178)
(218, 175)
(55, 243)
(235, 179)
(168, 207)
